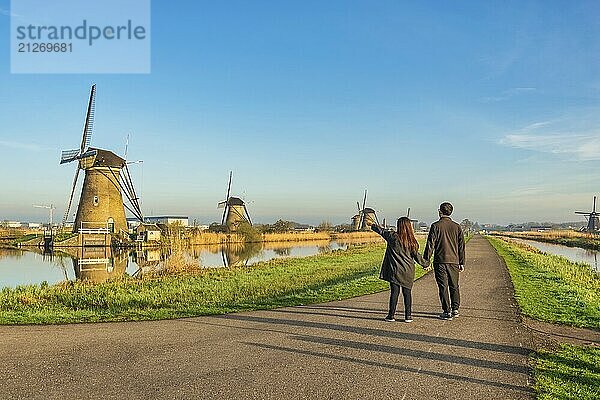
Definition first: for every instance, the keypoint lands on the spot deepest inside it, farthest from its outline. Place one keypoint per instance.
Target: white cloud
(509, 93)
(585, 147)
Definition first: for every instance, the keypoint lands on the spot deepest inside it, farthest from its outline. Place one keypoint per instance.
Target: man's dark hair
(446, 208)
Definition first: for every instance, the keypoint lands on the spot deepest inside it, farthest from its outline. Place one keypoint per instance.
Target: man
(447, 242)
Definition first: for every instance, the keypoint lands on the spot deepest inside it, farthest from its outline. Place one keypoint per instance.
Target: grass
(569, 372)
(551, 288)
(276, 283)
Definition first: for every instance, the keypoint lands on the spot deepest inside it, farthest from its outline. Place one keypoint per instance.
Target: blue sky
(492, 106)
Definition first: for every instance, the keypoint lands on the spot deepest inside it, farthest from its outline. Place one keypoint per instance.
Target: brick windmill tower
(365, 218)
(234, 210)
(106, 181)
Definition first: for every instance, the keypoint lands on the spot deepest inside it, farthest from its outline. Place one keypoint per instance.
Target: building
(148, 233)
(169, 220)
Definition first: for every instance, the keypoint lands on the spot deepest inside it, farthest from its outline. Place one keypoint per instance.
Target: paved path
(339, 350)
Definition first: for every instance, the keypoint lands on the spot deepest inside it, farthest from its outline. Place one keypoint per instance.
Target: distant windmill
(365, 218)
(106, 179)
(50, 208)
(234, 210)
(593, 222)
(414, 221)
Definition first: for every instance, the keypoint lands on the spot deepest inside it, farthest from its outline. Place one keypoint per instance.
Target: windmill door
(111, 225)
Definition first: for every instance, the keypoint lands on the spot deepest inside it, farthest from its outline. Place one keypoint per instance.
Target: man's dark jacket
(446, 241)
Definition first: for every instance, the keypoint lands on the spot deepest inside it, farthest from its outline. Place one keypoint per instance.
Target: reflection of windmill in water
(239, 254)
(593, 222)
(365, 218)
(101, 208)
(234, 210)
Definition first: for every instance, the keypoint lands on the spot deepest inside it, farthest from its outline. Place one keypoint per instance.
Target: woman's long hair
(406, 236)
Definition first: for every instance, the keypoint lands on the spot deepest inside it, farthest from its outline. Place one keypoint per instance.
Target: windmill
(50, 208)
(106, 180)
(365, 218)
(234, 210)
(414, 221)
(593, 222)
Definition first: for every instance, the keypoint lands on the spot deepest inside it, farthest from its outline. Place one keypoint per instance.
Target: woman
(398, 266)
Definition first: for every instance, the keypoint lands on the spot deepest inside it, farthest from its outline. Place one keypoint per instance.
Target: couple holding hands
(445, 241)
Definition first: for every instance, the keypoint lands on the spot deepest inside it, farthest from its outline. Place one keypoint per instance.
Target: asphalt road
(338, 350)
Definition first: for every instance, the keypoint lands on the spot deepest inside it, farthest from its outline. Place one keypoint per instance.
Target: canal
(98, 264)
(575, 254)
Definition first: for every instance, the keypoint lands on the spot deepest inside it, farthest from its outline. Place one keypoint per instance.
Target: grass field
(277, 283)
(569, 372)
(553, 289)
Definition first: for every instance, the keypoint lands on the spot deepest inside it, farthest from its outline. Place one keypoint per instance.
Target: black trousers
(394, 294)
(446, 276)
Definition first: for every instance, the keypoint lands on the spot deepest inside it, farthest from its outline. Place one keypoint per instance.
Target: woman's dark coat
(398, 264)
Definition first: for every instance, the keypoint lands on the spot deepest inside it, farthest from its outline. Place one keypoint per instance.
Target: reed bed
(201, 238)
(551, 288)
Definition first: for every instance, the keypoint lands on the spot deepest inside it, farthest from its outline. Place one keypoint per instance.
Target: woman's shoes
(408, 319)
(389, 319)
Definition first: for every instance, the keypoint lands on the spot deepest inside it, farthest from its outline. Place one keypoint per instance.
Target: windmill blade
(358, 207)
(71, 197)
(594, 205)
(89, 121)
(68, 156)
(126, 147)
(362, 214)
(247, 215)
(582, 213)
(227, 198)
(229, 186)
(221, 204)
(408, 213)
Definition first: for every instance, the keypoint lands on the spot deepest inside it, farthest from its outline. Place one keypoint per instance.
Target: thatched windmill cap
(101, 158)
(235, 201)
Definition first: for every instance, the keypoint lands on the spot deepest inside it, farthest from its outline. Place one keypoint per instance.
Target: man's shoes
(408, 319)
(455, 313)
(389, 319)
(446, 316)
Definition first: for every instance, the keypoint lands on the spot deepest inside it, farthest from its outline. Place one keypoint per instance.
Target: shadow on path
(383, 333)
(396, 367)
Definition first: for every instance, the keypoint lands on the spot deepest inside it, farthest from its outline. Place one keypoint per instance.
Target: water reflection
(99, 264)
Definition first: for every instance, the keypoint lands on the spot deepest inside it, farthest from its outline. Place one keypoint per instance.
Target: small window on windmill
(95, 201)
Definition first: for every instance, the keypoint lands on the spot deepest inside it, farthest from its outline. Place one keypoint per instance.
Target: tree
(325, 226)
(250, 234)
(217, 228)
(282, 226)
(467, 226)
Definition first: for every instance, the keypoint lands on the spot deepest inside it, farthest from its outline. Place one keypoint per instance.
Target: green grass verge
(551, 288)
(571, 372)
(276, 283)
